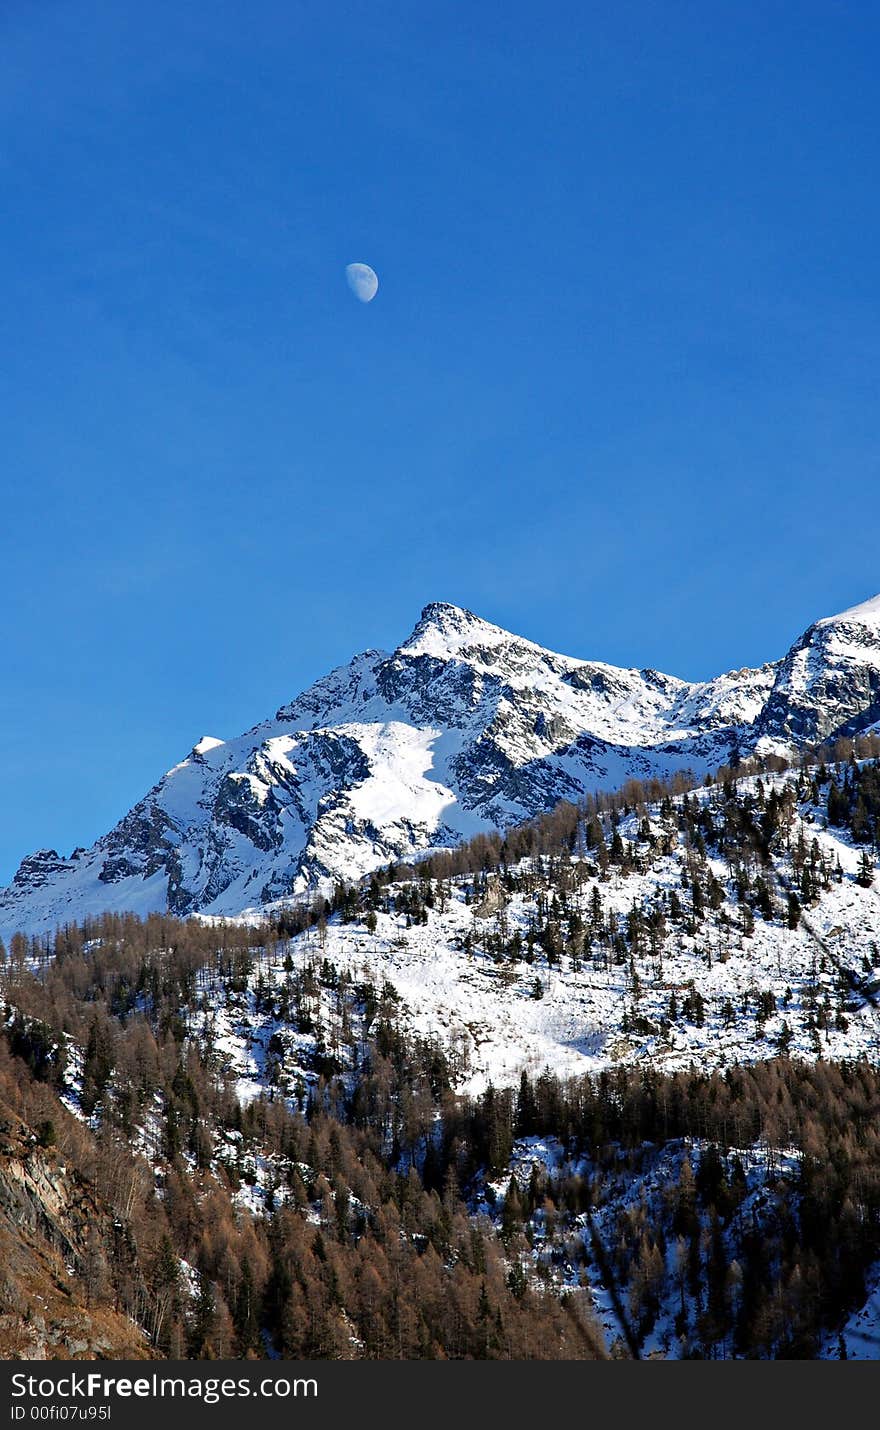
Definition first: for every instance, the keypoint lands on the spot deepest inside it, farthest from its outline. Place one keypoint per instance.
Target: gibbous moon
(362, 281)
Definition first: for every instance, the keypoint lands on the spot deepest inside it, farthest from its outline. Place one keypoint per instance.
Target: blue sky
(618, 390)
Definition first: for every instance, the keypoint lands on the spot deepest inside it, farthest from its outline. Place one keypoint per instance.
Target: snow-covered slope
(713, 990)
(463, 727)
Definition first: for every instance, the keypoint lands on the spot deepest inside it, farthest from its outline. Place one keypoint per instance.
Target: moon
(362, 281)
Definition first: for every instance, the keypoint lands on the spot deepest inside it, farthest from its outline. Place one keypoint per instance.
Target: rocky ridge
(463, 727)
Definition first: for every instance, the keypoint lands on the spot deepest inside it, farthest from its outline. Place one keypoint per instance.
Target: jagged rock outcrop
(829, 683)
(54, 1236)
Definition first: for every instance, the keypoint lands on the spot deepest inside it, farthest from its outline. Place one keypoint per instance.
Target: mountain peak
(448, 617)
(866, 613)
(443, 629)
(206, 743)
(446, 632)
(464, 727)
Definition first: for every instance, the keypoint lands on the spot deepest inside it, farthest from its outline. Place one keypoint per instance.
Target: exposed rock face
(52, 1231)
(39, 868)
(829, 683)
(463, 727)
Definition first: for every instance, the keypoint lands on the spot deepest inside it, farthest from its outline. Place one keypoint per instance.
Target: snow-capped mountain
(463, 727)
